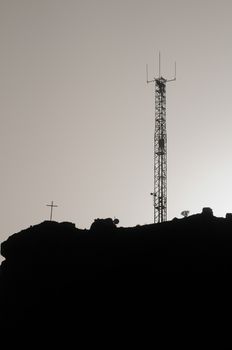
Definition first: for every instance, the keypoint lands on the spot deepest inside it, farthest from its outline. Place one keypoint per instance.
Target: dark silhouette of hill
(136, 284)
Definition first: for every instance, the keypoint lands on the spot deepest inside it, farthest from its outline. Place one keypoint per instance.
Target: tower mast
(160, 147)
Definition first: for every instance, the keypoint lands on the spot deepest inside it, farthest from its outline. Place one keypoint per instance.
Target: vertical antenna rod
(160, 147)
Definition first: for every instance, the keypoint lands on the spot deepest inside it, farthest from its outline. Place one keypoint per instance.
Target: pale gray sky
(77, 118)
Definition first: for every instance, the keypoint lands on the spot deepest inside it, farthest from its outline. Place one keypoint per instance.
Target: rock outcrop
(112, 278)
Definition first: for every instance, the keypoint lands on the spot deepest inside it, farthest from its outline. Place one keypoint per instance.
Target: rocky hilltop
(197, 243)
(53, 272)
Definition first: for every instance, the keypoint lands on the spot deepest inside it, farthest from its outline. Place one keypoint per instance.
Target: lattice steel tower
(160, 148)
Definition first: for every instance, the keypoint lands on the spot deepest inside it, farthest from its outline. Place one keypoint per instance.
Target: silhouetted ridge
(53, 271)
(200, 239)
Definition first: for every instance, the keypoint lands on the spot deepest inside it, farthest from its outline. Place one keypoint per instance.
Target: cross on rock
(52, 206)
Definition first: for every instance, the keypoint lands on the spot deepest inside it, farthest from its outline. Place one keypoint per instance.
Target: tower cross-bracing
(160, 148)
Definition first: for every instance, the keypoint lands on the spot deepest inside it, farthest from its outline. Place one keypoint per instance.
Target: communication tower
(160, 147)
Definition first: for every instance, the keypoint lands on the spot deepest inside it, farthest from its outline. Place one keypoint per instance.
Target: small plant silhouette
(185, 213)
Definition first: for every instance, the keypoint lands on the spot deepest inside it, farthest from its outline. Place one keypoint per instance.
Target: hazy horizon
(77, 117)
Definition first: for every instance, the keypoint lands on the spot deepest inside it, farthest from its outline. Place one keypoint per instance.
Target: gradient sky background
(77, 118)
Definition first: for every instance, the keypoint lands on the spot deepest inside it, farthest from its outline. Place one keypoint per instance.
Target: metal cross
(52, 206)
